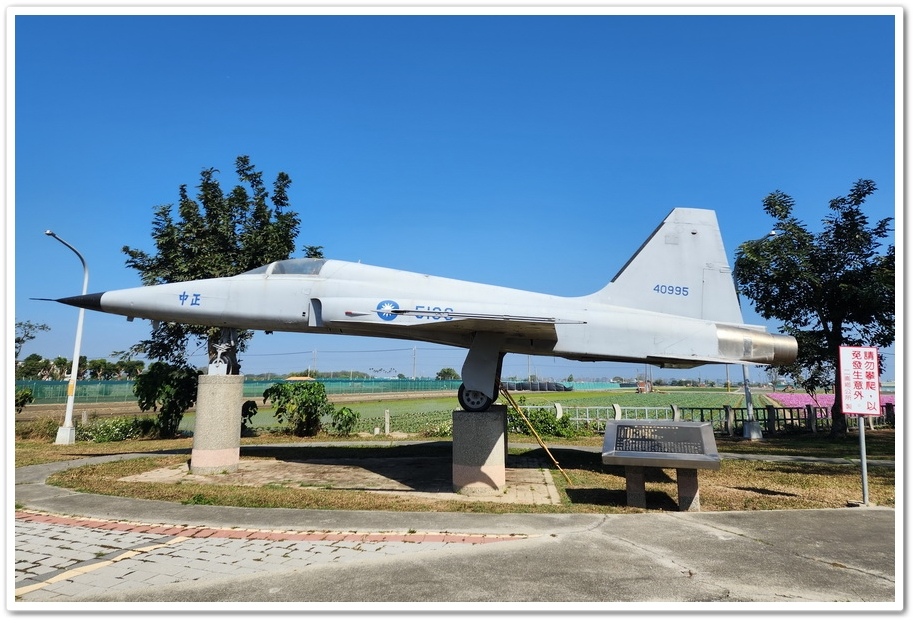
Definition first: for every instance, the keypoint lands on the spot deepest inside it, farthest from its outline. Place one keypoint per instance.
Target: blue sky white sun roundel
(384, 310)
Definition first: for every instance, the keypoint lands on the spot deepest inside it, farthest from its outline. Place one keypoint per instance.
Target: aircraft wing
(527, 327)
(489, 317)
(468, 323)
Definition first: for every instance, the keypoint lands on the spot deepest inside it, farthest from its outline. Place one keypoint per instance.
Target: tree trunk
(838, 418)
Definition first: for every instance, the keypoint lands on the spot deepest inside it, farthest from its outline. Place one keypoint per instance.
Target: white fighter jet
(672, 305)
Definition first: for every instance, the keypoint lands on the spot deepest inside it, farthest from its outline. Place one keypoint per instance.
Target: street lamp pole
(751, 425)
(66, 434)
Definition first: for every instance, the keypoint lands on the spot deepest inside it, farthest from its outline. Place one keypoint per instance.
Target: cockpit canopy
(296, 266)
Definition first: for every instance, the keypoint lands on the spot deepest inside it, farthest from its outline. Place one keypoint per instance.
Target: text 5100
(672, 290)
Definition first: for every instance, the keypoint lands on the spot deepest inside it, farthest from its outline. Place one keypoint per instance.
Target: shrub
(344, 421)
(439, 429)
(544, 421)
(169, 388)
(42, 428)
(23, 397)
(249, 410)
(107, 430)
(594, 427)
(301, 405)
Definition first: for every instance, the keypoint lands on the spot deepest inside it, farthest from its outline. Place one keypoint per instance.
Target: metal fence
(89, 392)
(725, 420)
(55, 392)
(363, 386)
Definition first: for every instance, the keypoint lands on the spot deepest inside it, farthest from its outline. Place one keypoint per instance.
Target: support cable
(518, 409)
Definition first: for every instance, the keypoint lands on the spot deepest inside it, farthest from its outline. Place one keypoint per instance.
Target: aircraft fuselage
(672, 305)
(358, 299)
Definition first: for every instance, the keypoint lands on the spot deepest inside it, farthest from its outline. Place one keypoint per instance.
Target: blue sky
(535, 152)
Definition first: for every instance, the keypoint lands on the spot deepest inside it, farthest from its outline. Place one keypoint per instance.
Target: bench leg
(688, 490)
(636, 486)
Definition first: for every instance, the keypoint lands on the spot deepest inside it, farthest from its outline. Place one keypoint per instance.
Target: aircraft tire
(472, 400)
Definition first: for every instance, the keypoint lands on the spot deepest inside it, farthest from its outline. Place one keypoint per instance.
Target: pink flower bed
(801, 399)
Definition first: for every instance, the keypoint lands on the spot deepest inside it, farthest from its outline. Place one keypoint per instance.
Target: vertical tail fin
(680, 269)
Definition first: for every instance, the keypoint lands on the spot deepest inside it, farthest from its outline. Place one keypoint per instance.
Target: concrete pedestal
(636, 485)
(217, 425)
(752, 431)
(479, 449)
(66, 435)
(688, 488)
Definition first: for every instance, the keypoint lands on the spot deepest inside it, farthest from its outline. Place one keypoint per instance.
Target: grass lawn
(595, 488)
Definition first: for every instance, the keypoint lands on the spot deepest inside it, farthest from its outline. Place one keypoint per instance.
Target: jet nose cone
(86, 301)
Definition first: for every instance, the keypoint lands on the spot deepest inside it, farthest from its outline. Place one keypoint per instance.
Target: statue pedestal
(479, 448)
(217, 425)
(752, 431)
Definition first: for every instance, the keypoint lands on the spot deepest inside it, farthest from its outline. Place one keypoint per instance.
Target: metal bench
(683, 446)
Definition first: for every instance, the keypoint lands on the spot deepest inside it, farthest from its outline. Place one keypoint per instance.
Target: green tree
(215, 235)
(59, 367)
(26, 332)
(447, 374)
(829, 289)
(170, 389)
(102, 369)
(313, 251)
(32, 367)
(125, 364)
(131, 368)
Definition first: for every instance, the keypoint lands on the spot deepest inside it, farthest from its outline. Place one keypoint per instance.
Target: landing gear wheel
(472, 400)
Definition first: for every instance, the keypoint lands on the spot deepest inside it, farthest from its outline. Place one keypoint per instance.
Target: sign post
(860, 390)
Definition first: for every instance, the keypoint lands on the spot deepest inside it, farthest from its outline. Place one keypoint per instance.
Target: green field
(418, 415)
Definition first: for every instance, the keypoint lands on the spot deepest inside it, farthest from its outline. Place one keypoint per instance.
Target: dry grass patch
(595, 488)
(105, 479)
(738, 485)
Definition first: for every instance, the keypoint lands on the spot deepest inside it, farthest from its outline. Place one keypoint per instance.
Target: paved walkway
(62, 558)
(84, 549)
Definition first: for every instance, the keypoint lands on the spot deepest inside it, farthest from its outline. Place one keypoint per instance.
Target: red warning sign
(859, 383)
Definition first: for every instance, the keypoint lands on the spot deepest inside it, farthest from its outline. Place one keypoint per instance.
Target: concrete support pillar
(217, 425)
(730, 420)
(771, 419)
(479, 448)
(688, 490)
(636, 485)
(688, 487)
